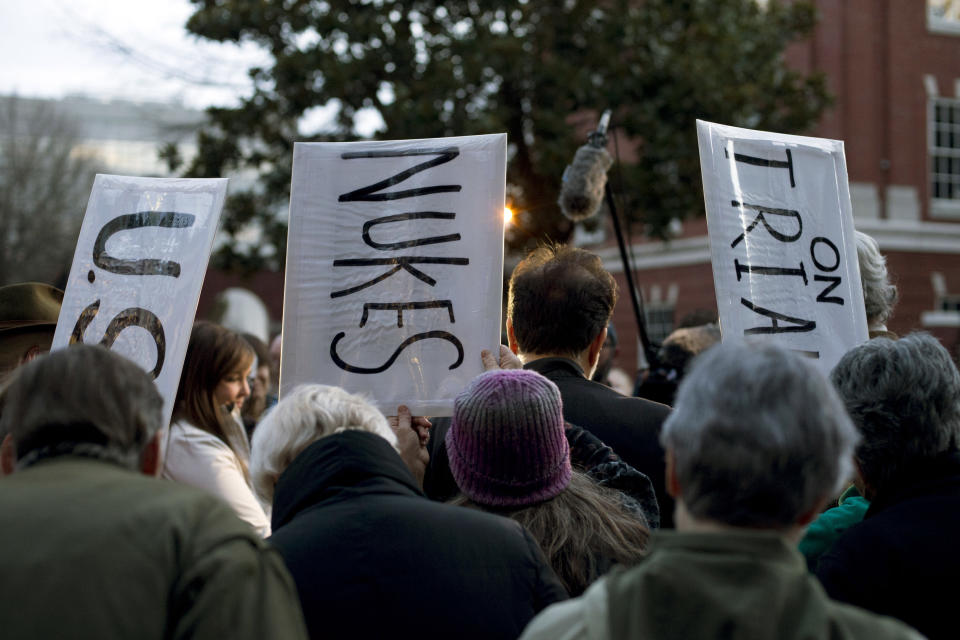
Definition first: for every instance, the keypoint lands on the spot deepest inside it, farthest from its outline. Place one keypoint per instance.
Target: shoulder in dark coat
(631, 426)
(373, 558)
(903, 559)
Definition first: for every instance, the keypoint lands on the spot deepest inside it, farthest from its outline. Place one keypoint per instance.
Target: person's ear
(31, 354)
(8, 456)
(511, 337)
(811, 514)
(593, 356)
(151, 460)
(861, 483)
(673, 484)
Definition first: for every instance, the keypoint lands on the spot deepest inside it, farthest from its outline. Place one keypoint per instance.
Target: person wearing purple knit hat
(495, 422)
(509, 455)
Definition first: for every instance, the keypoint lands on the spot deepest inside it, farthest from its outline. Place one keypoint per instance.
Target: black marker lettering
(763, 162)
(442, 335)
(800, 325)
(783, 237)
(419, 215)
(131, 317)
(400, 306)
(369, 193)
(402, 262)
(823, 297)
(813, 253)
(768, 271)
(146, 266)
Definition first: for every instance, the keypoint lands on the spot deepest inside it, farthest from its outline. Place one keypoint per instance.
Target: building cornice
(891, 235)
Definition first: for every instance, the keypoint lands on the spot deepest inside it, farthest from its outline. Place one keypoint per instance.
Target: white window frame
(943, 16)
(943, 207)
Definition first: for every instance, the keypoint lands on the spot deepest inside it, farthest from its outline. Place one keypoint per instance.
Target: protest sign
(138, 268)
(782, 240)
(394, 267)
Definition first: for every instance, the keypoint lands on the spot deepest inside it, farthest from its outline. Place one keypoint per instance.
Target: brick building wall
(885, 62)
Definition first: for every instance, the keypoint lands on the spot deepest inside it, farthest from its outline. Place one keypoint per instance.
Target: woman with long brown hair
(207, 446)
(509, 455)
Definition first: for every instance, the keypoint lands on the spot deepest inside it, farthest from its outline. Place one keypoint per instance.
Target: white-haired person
(879, 296)
(904, 398)
(367, 549)
(757, 442)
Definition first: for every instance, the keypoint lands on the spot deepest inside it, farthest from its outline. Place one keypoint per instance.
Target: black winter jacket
(903, 559)
(631, 426)
(373, 558)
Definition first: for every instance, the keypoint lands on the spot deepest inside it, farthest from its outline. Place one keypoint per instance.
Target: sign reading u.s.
(138, 269)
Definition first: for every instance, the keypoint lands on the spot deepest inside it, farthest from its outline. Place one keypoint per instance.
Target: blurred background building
(892, 67)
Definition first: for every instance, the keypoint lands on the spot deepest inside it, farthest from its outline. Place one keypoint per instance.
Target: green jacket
(737, 585)
(830, 525)
(91, 550)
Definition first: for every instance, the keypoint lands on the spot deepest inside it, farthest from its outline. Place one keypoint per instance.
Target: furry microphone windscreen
(582, 190)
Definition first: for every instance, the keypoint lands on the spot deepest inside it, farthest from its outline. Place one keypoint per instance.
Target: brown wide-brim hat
(29, 306)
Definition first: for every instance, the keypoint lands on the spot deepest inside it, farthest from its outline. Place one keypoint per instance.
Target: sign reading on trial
(138, 268)
(394, 267)
(782, 240)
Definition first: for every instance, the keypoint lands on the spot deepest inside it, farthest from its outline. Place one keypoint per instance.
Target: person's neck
(583, 359)
(686, 522)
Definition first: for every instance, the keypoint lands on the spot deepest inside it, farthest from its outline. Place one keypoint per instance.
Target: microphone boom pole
(583, 189)
(628, 273)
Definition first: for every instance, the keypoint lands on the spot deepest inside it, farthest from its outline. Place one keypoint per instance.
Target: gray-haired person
(879, 296)
(904, 398)
(756, 444)
(90, 547)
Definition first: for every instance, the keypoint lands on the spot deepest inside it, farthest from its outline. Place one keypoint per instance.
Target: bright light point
(507, 215)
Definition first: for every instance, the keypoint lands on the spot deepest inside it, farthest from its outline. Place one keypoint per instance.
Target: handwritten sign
(782, 240)
(138, 268)
(394, 267)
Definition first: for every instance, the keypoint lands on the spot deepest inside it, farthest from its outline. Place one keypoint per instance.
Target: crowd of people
(761, 499)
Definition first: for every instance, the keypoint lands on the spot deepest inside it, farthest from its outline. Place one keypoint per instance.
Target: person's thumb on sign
(413, 434)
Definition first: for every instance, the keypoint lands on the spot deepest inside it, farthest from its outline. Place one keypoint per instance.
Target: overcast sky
(131, 49)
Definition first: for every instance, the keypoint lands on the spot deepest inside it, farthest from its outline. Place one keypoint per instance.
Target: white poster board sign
(138, 269)
(782, 240)
(394, 267)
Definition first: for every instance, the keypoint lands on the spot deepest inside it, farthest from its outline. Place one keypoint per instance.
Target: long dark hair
(212, 354)
(582, 531)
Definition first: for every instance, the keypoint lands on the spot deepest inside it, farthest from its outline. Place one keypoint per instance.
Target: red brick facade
(883, 63)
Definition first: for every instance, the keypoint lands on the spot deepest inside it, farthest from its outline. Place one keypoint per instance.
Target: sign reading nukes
(394, 267)
(782, 240)
(138, 268)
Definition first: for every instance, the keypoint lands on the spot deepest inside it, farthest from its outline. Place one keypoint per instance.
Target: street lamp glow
(507, 215)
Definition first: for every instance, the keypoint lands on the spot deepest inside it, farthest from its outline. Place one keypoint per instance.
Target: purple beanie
(506, 442)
